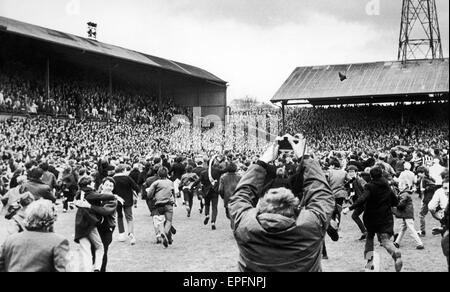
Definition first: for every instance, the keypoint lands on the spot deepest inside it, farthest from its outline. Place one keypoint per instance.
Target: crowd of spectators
(77, 97)
(372, 128)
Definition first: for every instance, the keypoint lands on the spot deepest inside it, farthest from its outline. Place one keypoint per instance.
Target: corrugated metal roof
(366, 79)
(65, 39)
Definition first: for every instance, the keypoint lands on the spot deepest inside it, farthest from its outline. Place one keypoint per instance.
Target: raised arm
(318, 196)
(247, 191)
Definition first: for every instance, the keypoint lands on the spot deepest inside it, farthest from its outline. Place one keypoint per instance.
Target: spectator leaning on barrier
(279, 235)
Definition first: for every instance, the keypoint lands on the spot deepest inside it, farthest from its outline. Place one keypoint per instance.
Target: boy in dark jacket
(127, 189)
(378, 199)
(355, 188)
(426, 188)
(405, 211)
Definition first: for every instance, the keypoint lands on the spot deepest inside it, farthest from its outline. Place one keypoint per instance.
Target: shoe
(420, 247)
(188, 210)
(200, 210)
(363, 237)
(398, 265)
(173, 230)
(159, 239)
(395, 236)
(96, 271)
(332, 231)
(132, 239)
(170, 240)
(369, 266)
(122, 237)
(325, 257)
(396, 245)
(64, 210)
(422, 233)
(213, 226)
(437, 231)
(205, 222)
(165, 240)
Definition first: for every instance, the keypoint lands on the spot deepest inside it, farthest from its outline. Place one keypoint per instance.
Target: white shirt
(33, 108)
(435, 173)
(439, 201)
(409, 177)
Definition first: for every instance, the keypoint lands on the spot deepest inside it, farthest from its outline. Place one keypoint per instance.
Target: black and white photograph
(224, 137)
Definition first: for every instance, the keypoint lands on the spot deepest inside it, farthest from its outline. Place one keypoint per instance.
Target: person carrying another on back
(163, 195)
(189, 181)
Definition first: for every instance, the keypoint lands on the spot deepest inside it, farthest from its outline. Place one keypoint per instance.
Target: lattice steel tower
(420, 37)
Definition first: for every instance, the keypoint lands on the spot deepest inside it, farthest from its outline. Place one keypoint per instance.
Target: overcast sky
(252, 44)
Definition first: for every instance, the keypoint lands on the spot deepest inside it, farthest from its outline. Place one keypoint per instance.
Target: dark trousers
(386, 242)
(128, 211)
(199, 194)
(338, 209)
(212, 199)
(167, 212)
(69, 198)
(188, 197)
(358, 221)
(106, 234)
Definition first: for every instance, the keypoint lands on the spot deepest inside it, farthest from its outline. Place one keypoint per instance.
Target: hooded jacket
(272, 242)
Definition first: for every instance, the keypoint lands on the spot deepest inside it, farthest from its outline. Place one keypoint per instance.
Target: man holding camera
(282, 234)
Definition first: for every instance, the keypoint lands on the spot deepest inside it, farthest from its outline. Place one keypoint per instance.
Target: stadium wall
(212, 99)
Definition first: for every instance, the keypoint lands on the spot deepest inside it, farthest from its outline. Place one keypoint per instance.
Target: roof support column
(283, 104)
(403, 112)
(160, 90)
(110, 87)
(47, 78)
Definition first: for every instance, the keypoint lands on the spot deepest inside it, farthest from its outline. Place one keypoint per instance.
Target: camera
(284, 144)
